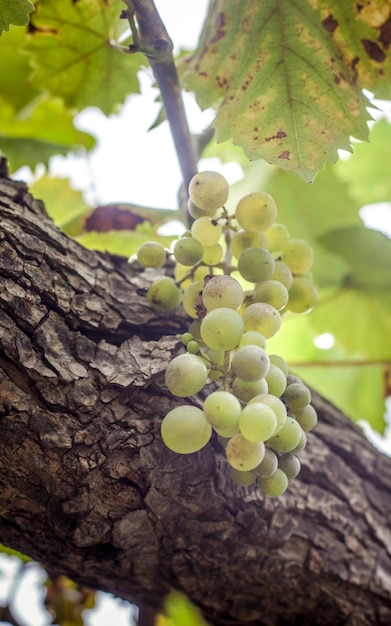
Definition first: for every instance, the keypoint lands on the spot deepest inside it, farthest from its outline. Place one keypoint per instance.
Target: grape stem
(152, 33)
(227, 370)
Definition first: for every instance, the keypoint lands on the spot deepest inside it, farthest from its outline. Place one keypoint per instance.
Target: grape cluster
(236, 275)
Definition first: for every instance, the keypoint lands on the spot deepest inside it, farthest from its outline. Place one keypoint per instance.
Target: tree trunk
(89, 489)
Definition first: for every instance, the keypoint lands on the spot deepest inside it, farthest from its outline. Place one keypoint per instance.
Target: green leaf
(38, 132)
(10, 552)
(367, 171)
(15, 69)
(14, 12)
(64, 205)
(121, 242)
(284, 92)
(178, 611)
(73, 57)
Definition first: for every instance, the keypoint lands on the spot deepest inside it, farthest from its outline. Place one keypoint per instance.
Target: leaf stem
(154, 36)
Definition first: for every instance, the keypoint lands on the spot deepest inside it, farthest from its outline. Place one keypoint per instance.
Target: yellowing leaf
(283, 90)
(73, 57)
(14, 12)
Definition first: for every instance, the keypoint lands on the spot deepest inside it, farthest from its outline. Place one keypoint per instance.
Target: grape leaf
(121, 242)
(72, 55)
(14, 12)
(284, 90)
(14, 69)
(43, 129)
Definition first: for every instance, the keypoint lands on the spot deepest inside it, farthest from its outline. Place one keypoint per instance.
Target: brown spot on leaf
(280, 135)
(285, 155)
(111, 217)
(219, 23)
(385, 34)
(337, 80)
(359, 7)
(329, 23)
(373, 50)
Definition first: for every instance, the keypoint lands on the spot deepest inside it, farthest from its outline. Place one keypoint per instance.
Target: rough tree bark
(89, 490)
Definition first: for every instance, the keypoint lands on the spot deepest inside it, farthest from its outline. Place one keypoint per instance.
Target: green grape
(195, 329)
(268, 465)
(277, 360)
(297, 396)
(245, 239)
(244, 455)
(302, 295)
(306, 417)
(276, 381)
(274, 485)
(276, 404)
(186, 338)
(185, 430)
(196, 212)
(164, 294)
(151, 254)
(287, 438)
(186, 375)
(191, 297)
(290, 465)
(298, 256)
(208, 190)
(206, 230)
(188, 251)
(221, 329)
(256, 264)
(253, 338)
(250, 363)
(302, 443)
(222, 291)
(242, 479)
(257, 422)
(256, 211)
(282, 274)
(277, 236)
(222, 410)
(272, 292)
(193, 347)
(245, 390)
(212, 254)
(227, 433)
(263, 318)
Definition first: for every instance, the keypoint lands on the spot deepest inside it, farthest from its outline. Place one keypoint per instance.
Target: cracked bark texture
(88, 489)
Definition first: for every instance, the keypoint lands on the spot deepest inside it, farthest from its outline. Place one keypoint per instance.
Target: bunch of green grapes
(236, 275)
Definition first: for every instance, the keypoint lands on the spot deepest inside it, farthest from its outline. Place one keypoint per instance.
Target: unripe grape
(193, 347)
(245, 239)
(277, 236)
(245, 390)
(290, 465)
(253, 338)
(282, 274)
(302, 295)
(306, 417)
(222, 410)
(277, 360)
(221, 329)
(250, 363)
(185, 430)
(268, 465)
(276, 381)
(222, 291)
(186, 338)
(297, 396)
(298, 255)
(188, 251)
(208, 190)
(207, 231)
(151, 254)
(274, 485)
(212, 254)
(272, 292)
(244, 455)
(276, 404)
(186, 375)
(287, 438)
(257, 422)
(256, 264)
(263, 318)
(164, 294)
(256, 211)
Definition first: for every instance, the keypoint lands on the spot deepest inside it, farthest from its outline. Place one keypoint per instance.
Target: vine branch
(154, 37)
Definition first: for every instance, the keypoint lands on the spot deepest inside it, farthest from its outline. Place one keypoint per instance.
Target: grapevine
(236, 274)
